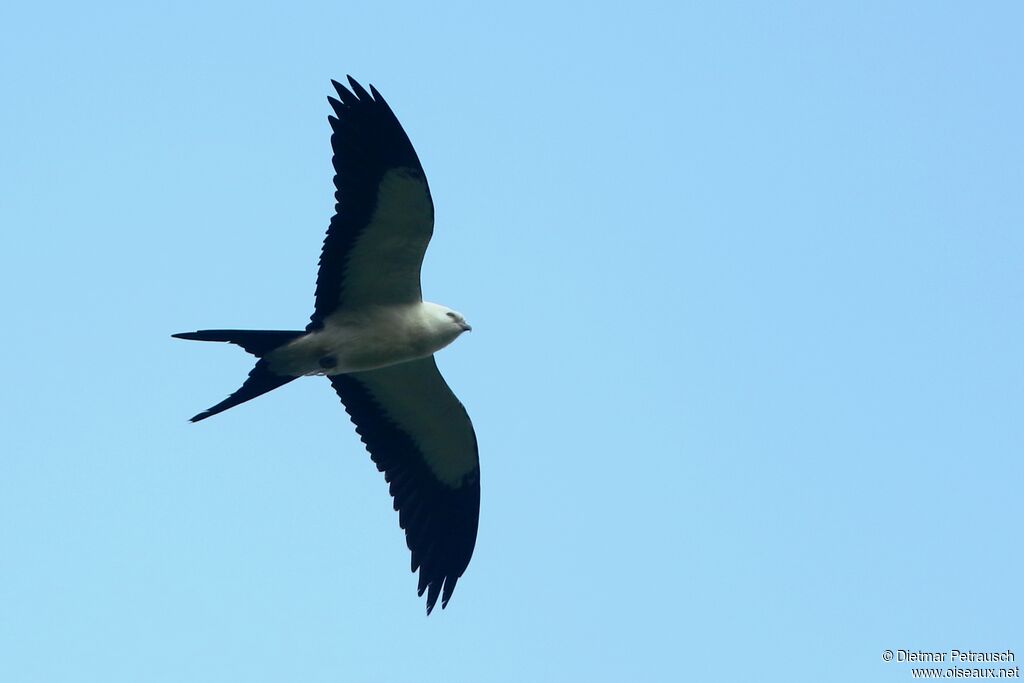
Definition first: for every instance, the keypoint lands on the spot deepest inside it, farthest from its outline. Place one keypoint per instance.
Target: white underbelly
(353, 345)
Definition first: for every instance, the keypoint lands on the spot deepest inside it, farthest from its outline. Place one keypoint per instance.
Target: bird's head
(446, 323)
(457, 319)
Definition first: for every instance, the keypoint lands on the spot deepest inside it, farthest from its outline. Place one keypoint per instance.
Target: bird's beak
(466, 327)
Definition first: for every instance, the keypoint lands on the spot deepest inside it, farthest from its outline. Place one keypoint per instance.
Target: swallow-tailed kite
(374, 338)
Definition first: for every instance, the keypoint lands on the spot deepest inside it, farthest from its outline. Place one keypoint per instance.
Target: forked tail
(261, 380)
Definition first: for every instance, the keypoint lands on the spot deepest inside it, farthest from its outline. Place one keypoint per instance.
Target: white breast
(364, 339)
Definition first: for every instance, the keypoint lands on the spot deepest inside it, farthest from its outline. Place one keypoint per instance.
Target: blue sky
(746, 368)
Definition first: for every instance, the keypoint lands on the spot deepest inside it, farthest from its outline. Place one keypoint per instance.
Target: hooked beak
(466, 327)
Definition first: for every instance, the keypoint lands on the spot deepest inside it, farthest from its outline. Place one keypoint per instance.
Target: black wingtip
(337, 106)
(432, 594)
(449, 588)
(345, 95)
(358, 89)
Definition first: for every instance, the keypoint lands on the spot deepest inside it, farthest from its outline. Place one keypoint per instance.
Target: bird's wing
(420, 436)
(384, 215)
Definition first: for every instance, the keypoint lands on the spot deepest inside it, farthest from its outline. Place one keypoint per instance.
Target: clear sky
(746, 369)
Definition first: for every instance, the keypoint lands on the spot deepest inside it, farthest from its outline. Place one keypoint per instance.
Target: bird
(374, 337)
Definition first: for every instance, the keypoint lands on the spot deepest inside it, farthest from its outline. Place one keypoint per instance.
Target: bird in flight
(374, 338)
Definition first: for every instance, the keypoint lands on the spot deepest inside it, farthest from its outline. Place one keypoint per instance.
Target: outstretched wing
(420, 436)
(384, 215)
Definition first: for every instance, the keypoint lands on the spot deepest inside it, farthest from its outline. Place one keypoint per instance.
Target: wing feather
(384, 215)
(420, 436)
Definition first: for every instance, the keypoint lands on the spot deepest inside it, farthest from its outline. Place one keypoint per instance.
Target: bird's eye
(450, 315)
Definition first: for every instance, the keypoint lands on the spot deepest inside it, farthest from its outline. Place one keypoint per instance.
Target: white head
(458, 320)
(446, 323)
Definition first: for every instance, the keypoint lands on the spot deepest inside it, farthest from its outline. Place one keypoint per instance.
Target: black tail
(257, 342)
(261, 380)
